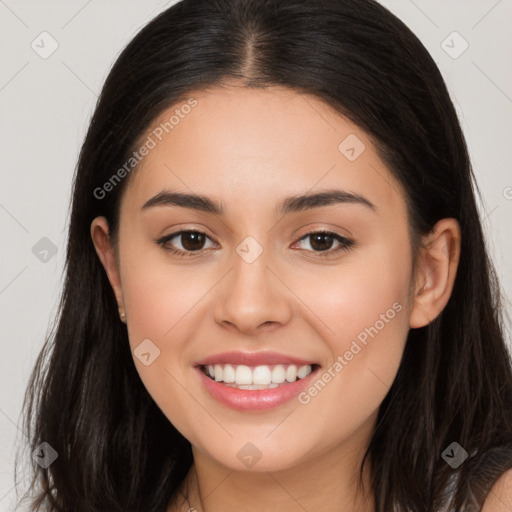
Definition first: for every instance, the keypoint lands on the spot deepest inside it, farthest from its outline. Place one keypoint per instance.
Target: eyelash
(345, 243)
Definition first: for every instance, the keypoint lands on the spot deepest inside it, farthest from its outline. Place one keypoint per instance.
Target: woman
(278, 294)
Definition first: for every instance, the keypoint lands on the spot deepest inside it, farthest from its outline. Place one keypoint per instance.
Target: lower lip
(256, 399)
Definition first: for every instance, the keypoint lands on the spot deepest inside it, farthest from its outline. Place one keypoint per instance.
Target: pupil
(322, 238)
(197, 241)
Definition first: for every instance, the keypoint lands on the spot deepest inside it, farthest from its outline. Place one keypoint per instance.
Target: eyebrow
(288, 205)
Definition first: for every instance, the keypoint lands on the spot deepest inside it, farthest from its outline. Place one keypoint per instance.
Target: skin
(499, 498)
(249, 149)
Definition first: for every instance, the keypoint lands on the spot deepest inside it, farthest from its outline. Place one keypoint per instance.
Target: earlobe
(106, 254)
(436, 271)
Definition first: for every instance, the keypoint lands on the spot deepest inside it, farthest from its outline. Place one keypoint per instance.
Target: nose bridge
(251, 268)
(252, 294)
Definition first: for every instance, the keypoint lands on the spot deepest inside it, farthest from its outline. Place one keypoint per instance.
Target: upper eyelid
(175, 234)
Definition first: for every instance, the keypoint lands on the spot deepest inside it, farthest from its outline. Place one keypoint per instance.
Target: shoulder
(499, 498)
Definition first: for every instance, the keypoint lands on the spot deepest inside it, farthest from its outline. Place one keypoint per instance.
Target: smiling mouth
(257, 377)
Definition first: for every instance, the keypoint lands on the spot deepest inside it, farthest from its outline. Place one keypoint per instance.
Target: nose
(253, 297)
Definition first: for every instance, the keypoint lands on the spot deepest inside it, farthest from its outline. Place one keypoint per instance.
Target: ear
(435, 273)
(101, 240)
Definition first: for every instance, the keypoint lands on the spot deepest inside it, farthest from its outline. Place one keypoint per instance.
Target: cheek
(159, 303)
(364, 291)
(162, 300)
(159, 294)
(363, 309)
(367, 310)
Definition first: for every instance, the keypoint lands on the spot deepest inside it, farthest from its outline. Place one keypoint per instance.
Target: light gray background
(47, 103)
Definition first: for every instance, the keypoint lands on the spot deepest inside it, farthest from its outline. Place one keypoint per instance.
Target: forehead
(257, 145)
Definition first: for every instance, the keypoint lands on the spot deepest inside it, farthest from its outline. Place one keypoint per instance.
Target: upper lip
(252, 359)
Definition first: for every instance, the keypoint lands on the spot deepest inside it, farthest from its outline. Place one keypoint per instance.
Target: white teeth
(261, 375)
(243, 375)
(228, 373)
(258, 377)
(278, 374)
(253, 386)
(303, 371)
(218, 372)
(291, 373)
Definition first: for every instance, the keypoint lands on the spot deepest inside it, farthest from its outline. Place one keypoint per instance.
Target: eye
(191, 241)
(322, 241)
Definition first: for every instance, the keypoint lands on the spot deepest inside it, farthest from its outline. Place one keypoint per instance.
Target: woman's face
(252, 282)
